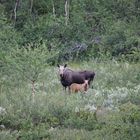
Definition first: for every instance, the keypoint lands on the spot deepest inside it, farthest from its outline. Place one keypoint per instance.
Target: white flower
(77, 109)
(51, 129)
(2, 126)
(2, 110)
(90, 108)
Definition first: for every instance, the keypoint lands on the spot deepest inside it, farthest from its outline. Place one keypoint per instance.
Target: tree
(28, 63)
(66, 11)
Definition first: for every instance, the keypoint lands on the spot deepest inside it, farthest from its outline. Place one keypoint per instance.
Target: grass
(55, 114)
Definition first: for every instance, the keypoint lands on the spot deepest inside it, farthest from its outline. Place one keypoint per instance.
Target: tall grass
(108, 111)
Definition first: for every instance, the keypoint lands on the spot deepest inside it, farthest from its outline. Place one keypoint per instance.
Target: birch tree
(66, 11)
(15, 9)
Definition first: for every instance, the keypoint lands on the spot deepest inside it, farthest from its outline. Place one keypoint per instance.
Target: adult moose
(68, 76)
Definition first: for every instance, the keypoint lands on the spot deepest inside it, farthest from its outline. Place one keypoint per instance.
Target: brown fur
(79, 87)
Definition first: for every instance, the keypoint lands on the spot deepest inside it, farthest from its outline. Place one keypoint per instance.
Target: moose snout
(61, 74)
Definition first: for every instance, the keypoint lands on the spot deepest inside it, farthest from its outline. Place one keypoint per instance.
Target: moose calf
(79, 87)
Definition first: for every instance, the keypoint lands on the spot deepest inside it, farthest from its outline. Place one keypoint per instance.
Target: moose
(79, 87)
(68, 76)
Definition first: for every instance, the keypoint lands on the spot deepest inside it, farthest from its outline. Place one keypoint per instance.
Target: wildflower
(90, 108)
(77, 109)
(2, 110)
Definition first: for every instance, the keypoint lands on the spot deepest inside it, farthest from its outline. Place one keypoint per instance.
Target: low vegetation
(98, 35)
(108, 111)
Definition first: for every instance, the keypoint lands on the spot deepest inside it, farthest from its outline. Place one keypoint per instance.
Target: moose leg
(69, 90)
(90, 84)
(64, 88)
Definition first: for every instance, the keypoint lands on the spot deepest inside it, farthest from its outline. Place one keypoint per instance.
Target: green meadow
(98, 35)
(109, 110)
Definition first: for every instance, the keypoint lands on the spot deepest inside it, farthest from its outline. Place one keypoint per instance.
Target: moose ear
(65, 65)
(58, 65)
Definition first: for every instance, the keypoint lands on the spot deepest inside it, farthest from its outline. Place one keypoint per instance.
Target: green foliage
(109, 28)
(132, 111)
(57, 114)
(35, 35)
(82, 120)
(28, 62)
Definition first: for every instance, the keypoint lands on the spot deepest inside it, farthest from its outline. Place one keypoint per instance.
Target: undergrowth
(109, 110)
